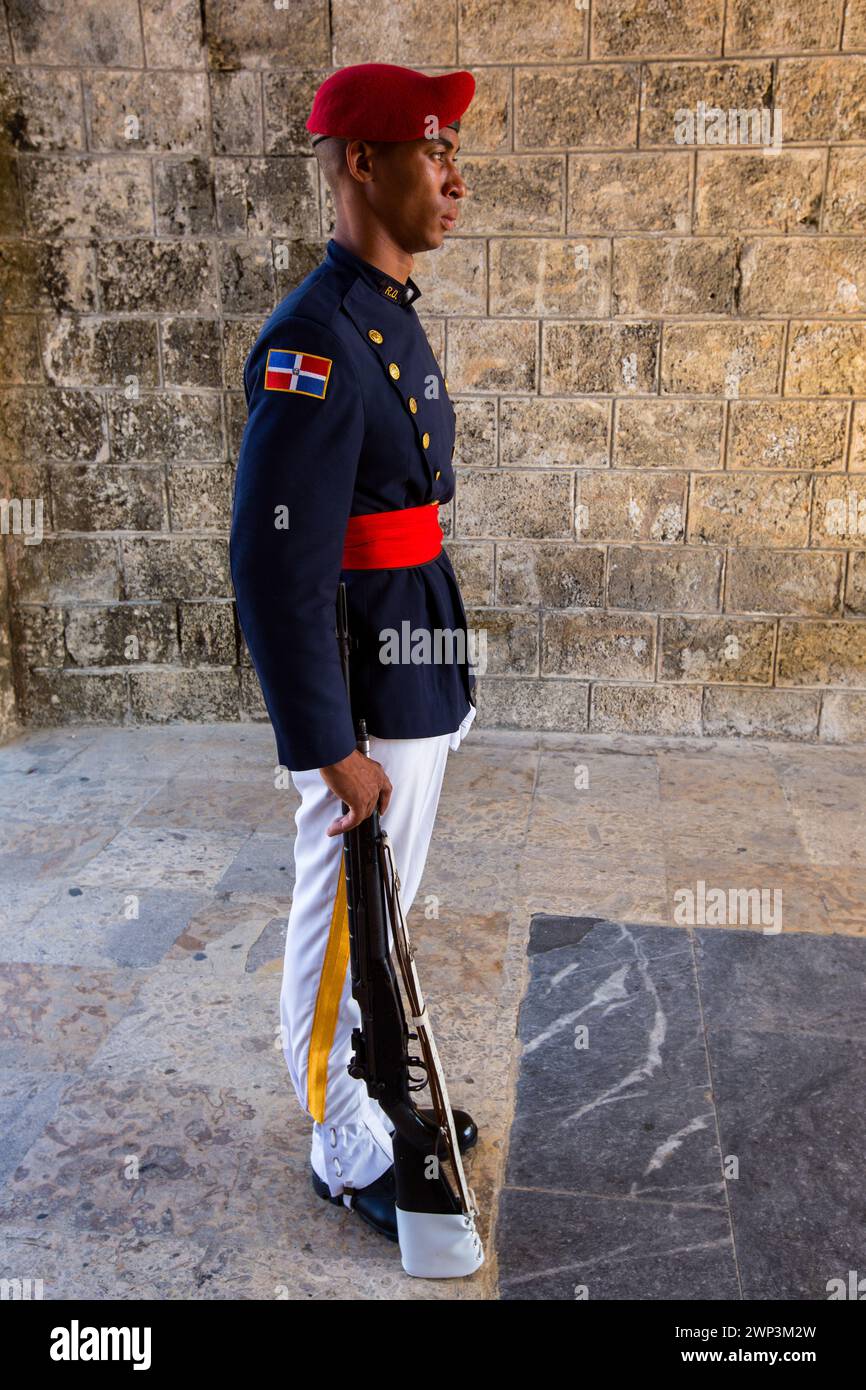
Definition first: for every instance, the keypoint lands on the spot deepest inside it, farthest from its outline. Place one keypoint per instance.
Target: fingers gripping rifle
(436, 1225)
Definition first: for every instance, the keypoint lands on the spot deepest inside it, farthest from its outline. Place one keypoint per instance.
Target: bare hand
(364, 786)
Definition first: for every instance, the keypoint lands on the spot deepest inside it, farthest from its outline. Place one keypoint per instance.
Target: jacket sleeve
(292, 499)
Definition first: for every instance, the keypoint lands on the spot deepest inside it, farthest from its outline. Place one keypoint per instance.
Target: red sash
(390, 540)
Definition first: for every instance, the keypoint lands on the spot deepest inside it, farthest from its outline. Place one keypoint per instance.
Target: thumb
(342, 823)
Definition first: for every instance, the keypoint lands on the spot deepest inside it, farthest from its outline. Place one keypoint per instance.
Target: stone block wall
(655, 336)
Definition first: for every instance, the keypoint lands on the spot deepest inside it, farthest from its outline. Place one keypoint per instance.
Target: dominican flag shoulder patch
(287, 370)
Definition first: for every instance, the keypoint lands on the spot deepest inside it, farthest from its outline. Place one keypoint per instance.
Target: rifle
(435, 1224)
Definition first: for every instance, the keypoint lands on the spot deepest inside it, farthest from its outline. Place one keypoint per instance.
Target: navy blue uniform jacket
(348, 415)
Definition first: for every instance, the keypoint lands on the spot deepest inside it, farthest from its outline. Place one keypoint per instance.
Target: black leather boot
(467, 1129)
(375, 1203)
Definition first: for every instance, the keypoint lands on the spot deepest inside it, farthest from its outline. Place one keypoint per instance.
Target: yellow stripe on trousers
(328, 1001)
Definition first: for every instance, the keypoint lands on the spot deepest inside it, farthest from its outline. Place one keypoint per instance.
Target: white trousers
(351, 1144)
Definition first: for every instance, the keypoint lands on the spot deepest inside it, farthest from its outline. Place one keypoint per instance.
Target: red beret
(381, 101)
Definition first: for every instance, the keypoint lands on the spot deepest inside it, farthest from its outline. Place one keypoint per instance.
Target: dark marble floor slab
(686, 1123)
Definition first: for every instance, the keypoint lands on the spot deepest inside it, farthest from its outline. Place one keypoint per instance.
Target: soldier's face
(419, 194)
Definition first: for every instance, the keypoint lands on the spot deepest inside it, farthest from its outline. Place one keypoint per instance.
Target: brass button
(438, 473)
(413, 404)
(394, 370)
(374, 334)
(425, 439)
(446, 383)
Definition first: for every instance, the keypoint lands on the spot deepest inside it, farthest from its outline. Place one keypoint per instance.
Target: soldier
(346, 456)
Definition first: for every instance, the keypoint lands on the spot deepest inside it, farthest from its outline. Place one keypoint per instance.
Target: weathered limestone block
(64, 569)
(538, 433)
(40, 109)
(173, 35)
(672, 87)
(52, 698)
(51, 275)
(185, 197)
(512, 193)
(20, 363)
(612, 358)
(558, 107)
(472, 562)
(37, 635)
(475, 442)
(102, 497)
(674, 275)
(147, 112)
(646, 709)
(238, 338)
(743, 191)
(541, 276)
(510, 31)
(855, 593)
(488, 355)
(201, 696)
(84, 197)
(156, 277)
(175, 568)
(655, 579)
(100, 352)
(453, 279)
(248, 279)
(819, 653)
(627, 192)
(236, 419)
(509, 503)
(718, 650)
(200, 496)
(730, 359)
(668, 434)
(822, 98)
(826, 359)
(507, 643)
(825, 275)
(839, 511)
(549, 574)
(619, 646)
(207, 634)
(259, 36)
(843, 718)
(181, 426)
(236, 112)
(846, 191)
(621, 27)
(622, 506)
(737, 713)
(549, 706)
(787, 26)
(52, 424)
(123, 635)
(791, 582)
(55, 35)
(787, 434)
(252, 704)
(267, 197)
(749, 509)
(191, 352)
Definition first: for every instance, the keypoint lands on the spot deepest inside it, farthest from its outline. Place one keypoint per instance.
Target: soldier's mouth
(449, 219)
